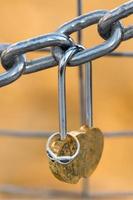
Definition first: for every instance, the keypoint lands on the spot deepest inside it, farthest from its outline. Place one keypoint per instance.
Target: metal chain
(109, 28)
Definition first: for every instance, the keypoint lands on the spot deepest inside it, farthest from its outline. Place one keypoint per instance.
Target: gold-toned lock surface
(92, 151)
(66, 173)
(91, 147)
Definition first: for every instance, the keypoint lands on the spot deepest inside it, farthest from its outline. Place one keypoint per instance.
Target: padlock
(75, 154)
(91, 147)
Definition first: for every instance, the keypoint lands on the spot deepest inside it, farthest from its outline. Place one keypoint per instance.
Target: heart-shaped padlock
(76, 154)
(91, 147)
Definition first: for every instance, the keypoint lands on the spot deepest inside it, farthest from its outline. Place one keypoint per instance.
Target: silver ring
(61, 159)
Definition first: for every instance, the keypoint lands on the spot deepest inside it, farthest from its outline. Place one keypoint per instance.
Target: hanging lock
(76, 154)
(63, 135)
(91, 146)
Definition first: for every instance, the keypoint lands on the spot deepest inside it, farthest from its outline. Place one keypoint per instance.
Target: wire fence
(15, 190)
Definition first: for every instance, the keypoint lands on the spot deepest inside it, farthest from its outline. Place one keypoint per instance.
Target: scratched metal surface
(31, 102)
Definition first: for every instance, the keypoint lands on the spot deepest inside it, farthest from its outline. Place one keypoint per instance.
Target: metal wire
(41, 134)
(82, 95)
(121, 54)
(80, 69)
(52, 193)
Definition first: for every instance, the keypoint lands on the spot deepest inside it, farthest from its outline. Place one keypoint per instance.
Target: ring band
(61, 159)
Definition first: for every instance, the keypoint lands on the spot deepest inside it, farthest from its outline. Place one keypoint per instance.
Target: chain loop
(33, 44)
(14, 73)
(91, 53)
(106, 22)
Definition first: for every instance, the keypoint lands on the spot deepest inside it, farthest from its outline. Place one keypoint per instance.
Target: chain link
(109, 28)
(33, 44)
(106, 22)
(95, 52)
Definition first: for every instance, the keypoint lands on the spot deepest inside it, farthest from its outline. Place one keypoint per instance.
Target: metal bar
(121, 54)
(80, 69)
(62, 91)
(40, 192)
(25, 134)
(88, 94)
(85, 183)
(117, 134)
(39, 134)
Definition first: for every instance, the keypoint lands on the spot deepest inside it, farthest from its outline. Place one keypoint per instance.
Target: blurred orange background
(31, 102)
